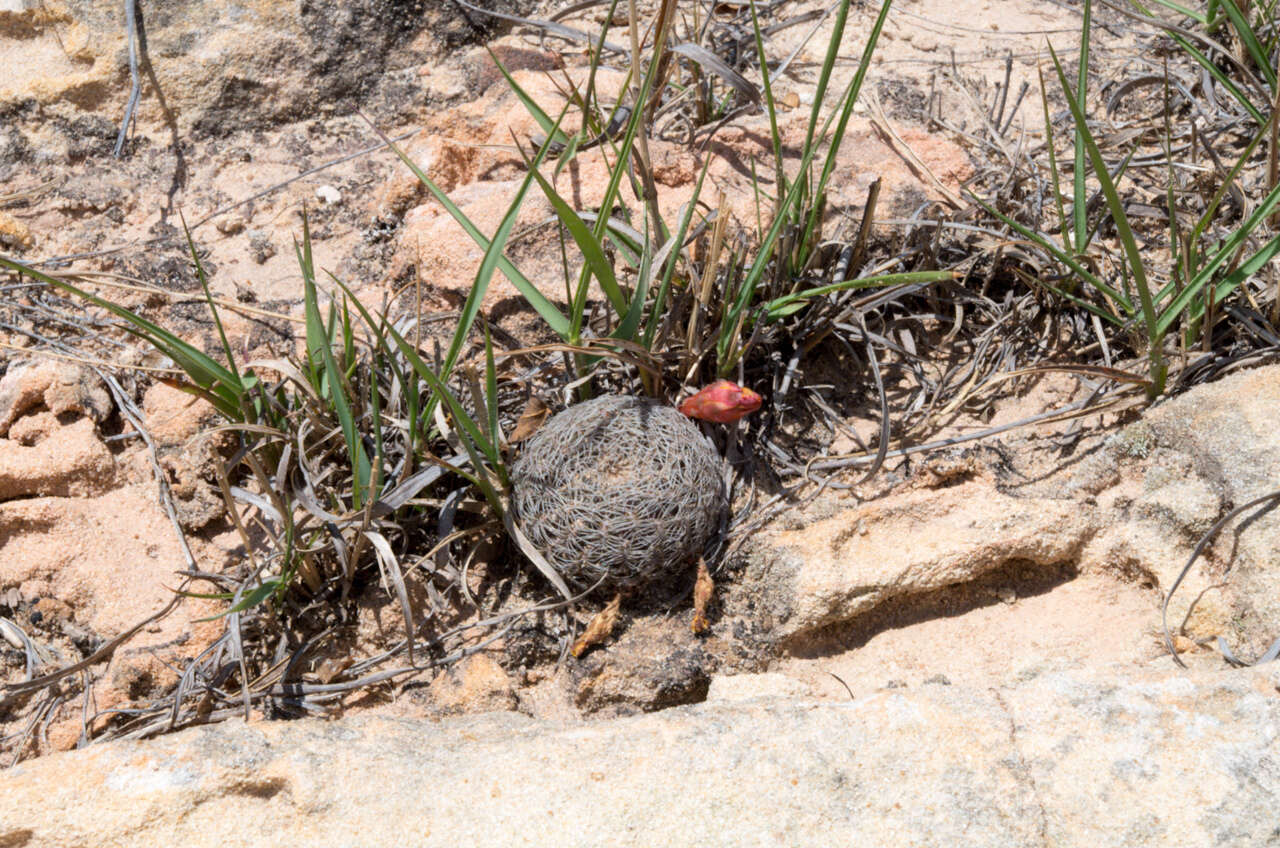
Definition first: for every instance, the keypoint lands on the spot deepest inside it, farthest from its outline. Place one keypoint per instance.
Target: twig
(131, 20)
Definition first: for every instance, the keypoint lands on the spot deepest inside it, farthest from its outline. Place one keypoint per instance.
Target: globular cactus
(619, 491)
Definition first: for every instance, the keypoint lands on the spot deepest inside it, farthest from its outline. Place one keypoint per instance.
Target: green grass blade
(630, 322)
(1250, 41)
(1093, 308)
(1228, 249)
(1233, 281)
(849, 98)
(490, 389)
(1183, 10)
(1064, 227)
(1220, 77)
(1066, 259)
(1211, 208)
(577, 311)
(223, 387)
(493, 258)
(320, 349)
(348, 340)
(592, 249)
(473, 441)
(828, 65)
(375, 416)
(780, 306)
(208, 296)
(673, 248)
(1080, 194)
(770, 104)
(1155, 338)
(734, 316)
(378, 332)
(549, 126)
(535, 298)
(1115, 178)
(1123, 231)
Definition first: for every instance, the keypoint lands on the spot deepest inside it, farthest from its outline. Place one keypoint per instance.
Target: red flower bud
(723, 401)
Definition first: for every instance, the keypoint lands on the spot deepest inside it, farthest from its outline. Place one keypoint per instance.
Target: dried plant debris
(599, 628)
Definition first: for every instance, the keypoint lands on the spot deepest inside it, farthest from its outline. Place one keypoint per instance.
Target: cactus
(618, 492)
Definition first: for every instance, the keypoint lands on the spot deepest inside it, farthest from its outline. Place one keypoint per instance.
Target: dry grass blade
(1271, 499)
(535, 556)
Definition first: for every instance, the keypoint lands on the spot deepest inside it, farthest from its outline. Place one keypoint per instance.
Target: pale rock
(328, 194)
(800, 582)
(1190, 460)
(46, 457)
(748, 687)
(59, 386)
(1079, 759)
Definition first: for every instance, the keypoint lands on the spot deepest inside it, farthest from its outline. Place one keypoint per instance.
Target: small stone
(329, 195)
(260, 246)
(61, 387)
(14, 234)
(230, 225)
(1007, 595)
(654, 665)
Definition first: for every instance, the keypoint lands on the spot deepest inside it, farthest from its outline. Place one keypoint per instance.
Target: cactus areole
(618, 492)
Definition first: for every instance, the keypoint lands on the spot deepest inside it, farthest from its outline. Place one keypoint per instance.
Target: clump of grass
(1208, 260)
(355, 457)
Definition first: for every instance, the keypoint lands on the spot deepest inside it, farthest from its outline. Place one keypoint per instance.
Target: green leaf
(1183, 10)
(1063, 226)
(630, 322)
(550, 127)
(493, 258)
(849, 98)
(535, 298)
(473, 441)
(268, 587)
(778, 307)
(491, 390)
(733, 317)
(1125, 233)
(771, 105)
(1221, 78)
(673, 250)
(592, 249)
(224, 387)
(1080, 194)
(1063, 257)
(319, 346)
(1250, 41)
(208, 296)
(1233, 281)
(1211, 208)
(1225, 252)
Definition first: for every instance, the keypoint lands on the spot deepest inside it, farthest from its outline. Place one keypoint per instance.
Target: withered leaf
(535, 412)
(703, 588)
(599, 627)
